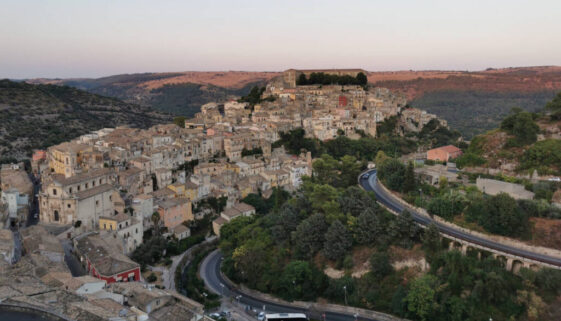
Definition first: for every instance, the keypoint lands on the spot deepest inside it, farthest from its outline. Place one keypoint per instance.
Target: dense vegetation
(364, 148)
(320, 78)
(475, 112)
(38, 116)
(285, 251)
(545, 156)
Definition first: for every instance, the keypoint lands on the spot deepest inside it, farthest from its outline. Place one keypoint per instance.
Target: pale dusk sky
(79, 38)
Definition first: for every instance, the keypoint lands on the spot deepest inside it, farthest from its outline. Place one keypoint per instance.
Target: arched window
(56, 216)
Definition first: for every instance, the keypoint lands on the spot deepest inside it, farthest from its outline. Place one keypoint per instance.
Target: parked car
(261, 316)
(366, 175)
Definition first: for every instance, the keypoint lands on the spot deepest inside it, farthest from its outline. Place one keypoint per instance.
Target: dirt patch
(361, 260)
(333, 273)
(546, 232)
(158, 274)
(413, 259)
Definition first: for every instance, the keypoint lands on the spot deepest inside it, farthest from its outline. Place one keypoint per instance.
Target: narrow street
(71, 260)
(168, 273)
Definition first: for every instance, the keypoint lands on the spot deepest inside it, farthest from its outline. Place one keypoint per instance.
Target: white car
(261, 316)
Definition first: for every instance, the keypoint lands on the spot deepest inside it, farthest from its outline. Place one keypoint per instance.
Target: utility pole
(345, 289)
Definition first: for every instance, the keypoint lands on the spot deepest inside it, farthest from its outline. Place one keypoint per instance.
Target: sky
(83, 38)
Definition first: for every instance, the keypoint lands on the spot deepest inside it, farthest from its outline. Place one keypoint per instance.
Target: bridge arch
(516, 266)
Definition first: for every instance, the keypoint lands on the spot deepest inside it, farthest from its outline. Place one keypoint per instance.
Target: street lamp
(222, 288)
(421, 195)
(345, 289)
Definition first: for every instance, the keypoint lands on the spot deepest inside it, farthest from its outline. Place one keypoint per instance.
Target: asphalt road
(370, 184)
(210, 273)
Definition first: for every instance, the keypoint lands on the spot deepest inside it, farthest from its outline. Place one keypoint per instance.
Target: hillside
(523, 144)
(180, 93)
(474, 102)
(38, 116)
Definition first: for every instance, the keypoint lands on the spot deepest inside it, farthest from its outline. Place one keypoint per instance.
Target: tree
(392, 173)
(499, 214)
(287, 221)
(355, 200)
(309, 236)
(409, 182)
(504, 216)
(361, 79)
(338, 241)
(301, 281)
(447, 206)
(302, 80)
(325, 169)
(349, 169)
(250, 260)
(554, 107)
(381, 157)
(403, 229)
(520, 124)
(152, 278)
(421, 298)
(431, 240)
(179, 121)
(380, 265)
(368, 227)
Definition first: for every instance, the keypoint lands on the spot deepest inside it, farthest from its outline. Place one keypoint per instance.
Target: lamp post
(222, 289)
(345, 289)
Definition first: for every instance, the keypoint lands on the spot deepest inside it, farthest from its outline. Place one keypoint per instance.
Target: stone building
(83, 197)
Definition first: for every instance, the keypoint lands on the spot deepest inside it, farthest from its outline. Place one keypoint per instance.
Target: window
(70, 190)
(100, 181)
(96, 203)
(93, 183)
(119, 226)
(54, 191)
(110, 197)
(86, 185)
(68, 205)
(56, 216)
(78, 187)
(136, 231)
(104, 226)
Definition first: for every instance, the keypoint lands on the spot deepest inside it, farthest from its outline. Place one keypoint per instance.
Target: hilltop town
(95, 197)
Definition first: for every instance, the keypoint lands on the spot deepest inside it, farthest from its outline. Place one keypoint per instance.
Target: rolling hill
(180, 93)
(38, 116)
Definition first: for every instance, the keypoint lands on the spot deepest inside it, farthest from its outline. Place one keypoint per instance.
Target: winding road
(210, 273)
(370, 183)
(210, 267)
